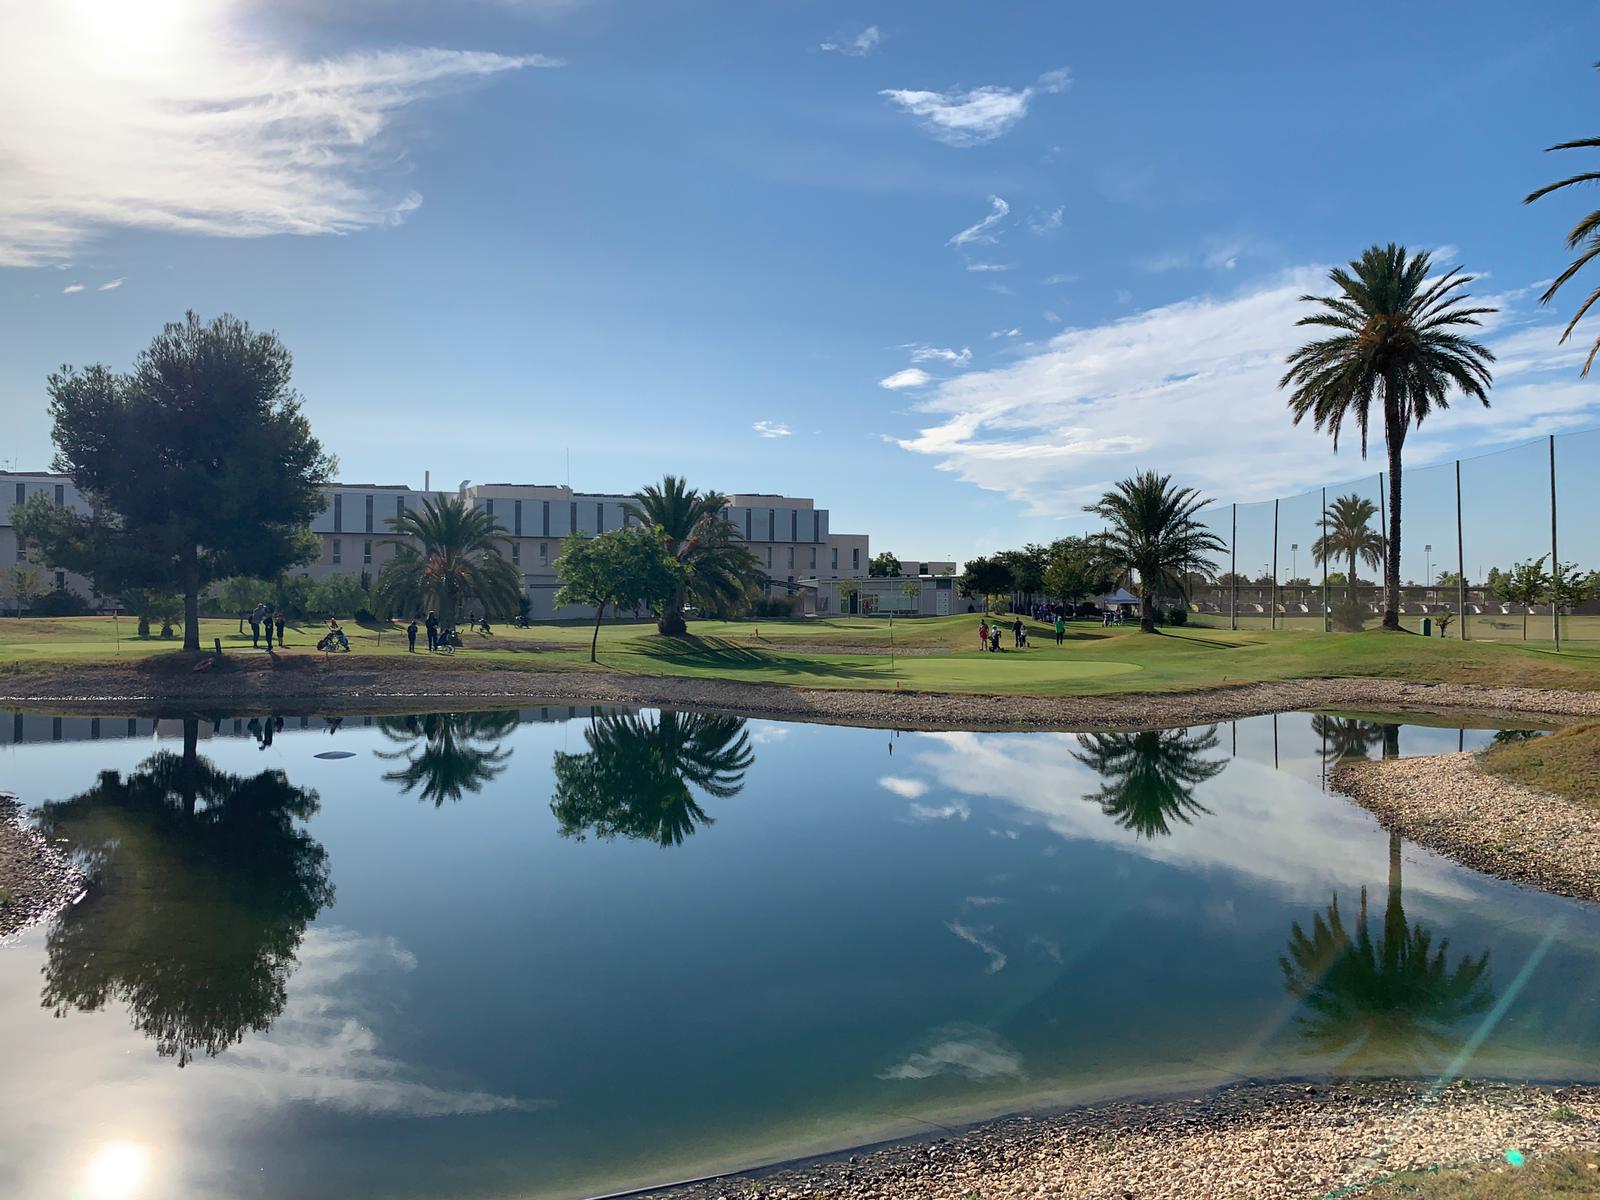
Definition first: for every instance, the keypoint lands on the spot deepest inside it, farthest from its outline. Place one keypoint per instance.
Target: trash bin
(1427, 626)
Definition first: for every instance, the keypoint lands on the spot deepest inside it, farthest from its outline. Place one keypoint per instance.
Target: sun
(118, 1171)
(136, 26)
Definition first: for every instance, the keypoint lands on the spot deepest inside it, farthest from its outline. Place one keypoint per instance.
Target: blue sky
(948, 268)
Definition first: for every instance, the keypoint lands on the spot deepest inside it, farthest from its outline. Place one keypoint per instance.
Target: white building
(903, 595)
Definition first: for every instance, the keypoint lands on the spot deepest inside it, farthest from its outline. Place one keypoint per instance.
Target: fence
(1464, 524)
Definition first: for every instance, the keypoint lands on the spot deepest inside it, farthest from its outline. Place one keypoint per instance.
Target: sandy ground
(1267, 1141)
(1449, 804)
(313, 686)
(34, 879)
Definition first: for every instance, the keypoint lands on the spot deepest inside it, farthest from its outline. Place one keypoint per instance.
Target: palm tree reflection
(447, 755)
(1150, 776)
(202, 885)
(1350, 737)
(635, 779)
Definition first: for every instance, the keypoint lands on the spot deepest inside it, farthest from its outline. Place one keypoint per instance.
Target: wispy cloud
(164, 119)
(978, 938)
(956, 358)
(1004, 333)
(981, 231)
(72, 287)
(911, 377)
(988, 266)
(969, 1051)
(771, 429)
(1217, 254)
(900, 786)
(1059, 278)
(969, 118)
(1048, 221)
(863, 44)
(113, 285)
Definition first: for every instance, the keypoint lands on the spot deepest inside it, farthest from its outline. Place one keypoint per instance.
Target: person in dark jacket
(433, 632)
(411, 636)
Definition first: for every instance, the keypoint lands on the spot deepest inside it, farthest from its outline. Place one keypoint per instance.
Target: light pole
(1427, 579)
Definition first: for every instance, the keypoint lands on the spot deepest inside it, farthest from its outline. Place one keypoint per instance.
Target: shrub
(62, 602)
(1178, 616)
(1349, 616)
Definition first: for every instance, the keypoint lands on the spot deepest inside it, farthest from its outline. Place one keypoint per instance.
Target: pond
(560, 952)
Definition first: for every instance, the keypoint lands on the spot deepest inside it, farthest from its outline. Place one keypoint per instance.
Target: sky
(950, 269)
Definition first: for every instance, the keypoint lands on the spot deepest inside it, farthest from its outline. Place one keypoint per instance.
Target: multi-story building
(790, 536)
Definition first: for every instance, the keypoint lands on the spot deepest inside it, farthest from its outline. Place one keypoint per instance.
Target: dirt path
(34, 879)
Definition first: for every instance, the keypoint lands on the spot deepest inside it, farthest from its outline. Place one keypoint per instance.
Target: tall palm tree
(635, 780)
(1150, 776)
(718, 569)
(1585, 233)
(1395, 339)
(447, 755)
(1347, 534)
(446, 554)
(1153, 531)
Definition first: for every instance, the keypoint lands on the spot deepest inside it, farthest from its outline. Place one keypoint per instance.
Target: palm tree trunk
(1147, 619)
(1391, 583)
(670, 623)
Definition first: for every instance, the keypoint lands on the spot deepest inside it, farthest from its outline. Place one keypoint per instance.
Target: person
(255, 626)
(278, 619)
(433, 631)
(483, 624)
(334, 635)
(1018, 635)
(994, 639)
(266, 623)
(1061, 629)
(411, 636)
(983, 634)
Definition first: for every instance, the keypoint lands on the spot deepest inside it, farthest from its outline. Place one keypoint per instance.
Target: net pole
(1461, 561)
(1325, 625)
(1274, 564)
(1233, 572)
(1383, 536)
(1555, 563)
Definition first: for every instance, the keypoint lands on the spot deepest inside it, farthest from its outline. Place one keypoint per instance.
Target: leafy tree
(638, 778)
(1444, 621)
(884, 565)
(25, 582)
(1448, 579)
(1395, 338)
(447, 755)
(1074, 570)
(623, 568)
(718, 570)
(202, 884)
(196, 466)
(1228, 578)
(153, 604)
(1527, 583)
(1348, 536)
(1585, 233)
(239, 594)
(1300, 581)
(1338, 579)
(1149, 777)
(986, 577)
(339, 596)
(446, 553)
(1568, 587)
(1153, 531)
(1027, 567)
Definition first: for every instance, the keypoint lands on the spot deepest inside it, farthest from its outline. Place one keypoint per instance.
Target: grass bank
(1565, 763)
(1560, 1176)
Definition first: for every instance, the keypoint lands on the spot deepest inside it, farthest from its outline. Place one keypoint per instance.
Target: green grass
(856, 652)
(1566, 763)
(1563, 1175)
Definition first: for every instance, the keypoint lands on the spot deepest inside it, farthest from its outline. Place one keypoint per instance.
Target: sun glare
(136, 26)
(118, 1171)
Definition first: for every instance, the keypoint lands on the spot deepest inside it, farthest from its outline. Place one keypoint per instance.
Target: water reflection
(635, 780)
(1150, 777)
(1350, 737)
(447, 755)
(202, 884)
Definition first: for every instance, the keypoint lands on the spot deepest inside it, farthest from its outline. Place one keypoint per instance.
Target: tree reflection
(1350, 737)
(635, 780)
(202, 885)
(1399, 992)
(1149, 777)
(447, 755)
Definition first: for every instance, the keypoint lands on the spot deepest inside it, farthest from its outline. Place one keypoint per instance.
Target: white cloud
(113, 285)
(860, 46)
(72, 287)
(941, 812)
(1052, 316)
(978, 233)
(1048, 221)
(909, 788)
(911, 377)
(768, 735)
(926, 353)
(1002, 289)
(1004, 333)
(969, 1051)
(771, 429)
(1154, 388)
(980, 115)
(1054, 280)
(978, 938)
(1217, 254)
(163, 117)
(987, 266)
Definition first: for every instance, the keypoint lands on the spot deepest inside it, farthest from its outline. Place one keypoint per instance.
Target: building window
(816, 526)
(545, 529)
(516, 552)
(61, 581)
(369, 515)
(791, 561)
(544, 552)
(772, 524)
(855, 558)
(366, 552)
(399, 507)
(488, 507)
(61, 494)
(572, 517)
(769, 557)
(516, 518)
(338, 550)
(813, 558)
(599, 518)
(22, 492)
(338, 512)
(794, 524)
(836, 558)
(747, 513)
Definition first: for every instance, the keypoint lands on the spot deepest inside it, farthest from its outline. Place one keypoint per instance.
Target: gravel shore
(1449, 804)
(1249, 1140)
(313, 686)
(34, 880)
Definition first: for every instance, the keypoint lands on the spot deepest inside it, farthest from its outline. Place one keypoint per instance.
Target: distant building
(924, 595)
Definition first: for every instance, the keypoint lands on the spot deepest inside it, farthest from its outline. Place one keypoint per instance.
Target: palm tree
(1587, 230)
(718, 570)
(1154, 533)
(1395, 336)
(447, 755)
(446, 554)
(1150, 776)
(635, 779)
(1347, 534)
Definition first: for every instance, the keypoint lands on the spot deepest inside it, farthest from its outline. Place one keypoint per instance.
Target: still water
(565, 951)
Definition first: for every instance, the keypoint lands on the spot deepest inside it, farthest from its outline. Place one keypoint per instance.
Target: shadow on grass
(715, 652)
